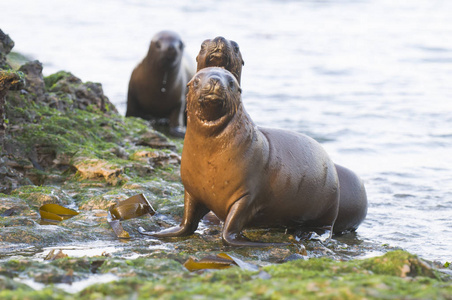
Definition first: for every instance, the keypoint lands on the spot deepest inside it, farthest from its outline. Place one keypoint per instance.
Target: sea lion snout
(168, 45)
(218, 52)
(170, 50)
(212, 84)
(221, 52)
(212, 90)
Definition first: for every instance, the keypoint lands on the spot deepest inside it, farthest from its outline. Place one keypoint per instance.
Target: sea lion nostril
(211, 85)
(206, 87)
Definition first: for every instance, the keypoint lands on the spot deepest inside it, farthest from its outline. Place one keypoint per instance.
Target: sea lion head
(220, 52)
(166, 48)
(214, 97)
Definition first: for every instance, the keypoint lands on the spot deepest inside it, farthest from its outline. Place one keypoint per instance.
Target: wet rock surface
(64, 143)
(6, 45)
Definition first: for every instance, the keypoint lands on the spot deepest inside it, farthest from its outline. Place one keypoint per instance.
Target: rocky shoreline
(62, 141)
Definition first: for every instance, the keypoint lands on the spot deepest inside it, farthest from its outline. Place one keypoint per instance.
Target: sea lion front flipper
(133, 109)
(194, 211)
(178, 132)
(176, 119)
(235, 221)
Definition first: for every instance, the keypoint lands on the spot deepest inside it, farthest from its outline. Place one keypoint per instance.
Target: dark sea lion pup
(247, 175)
(220, 52)
(157, 87)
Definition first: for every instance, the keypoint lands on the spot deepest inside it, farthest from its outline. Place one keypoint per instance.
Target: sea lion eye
(196, 82)
(203, 46)
(181, 45)
(158, 45)
(235, 46)
(231, 84)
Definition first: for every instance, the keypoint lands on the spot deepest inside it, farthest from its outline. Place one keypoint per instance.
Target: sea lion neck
(162, 65)
(227, 127)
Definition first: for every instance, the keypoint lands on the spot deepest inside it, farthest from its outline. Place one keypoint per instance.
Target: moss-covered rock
(317, 278)
(6, 45)
(399, 263)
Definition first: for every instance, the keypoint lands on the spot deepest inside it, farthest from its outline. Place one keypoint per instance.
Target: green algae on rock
(317, 278)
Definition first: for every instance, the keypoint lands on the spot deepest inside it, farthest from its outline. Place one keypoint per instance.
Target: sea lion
(220, 52)
(247, 175)
(157, 86)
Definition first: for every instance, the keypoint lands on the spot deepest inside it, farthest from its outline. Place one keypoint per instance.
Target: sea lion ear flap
(239, 89)
(243, 62)
(181, 45)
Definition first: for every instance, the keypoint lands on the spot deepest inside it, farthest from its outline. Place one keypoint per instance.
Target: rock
(10, 178)
(37, 235)
(294, 256)
(10, 284)
(399, 263)
(6, 45)
(36, 196)
(95, 168)
(16, 204)
(8, 80)
(34, 81)
(154, 139)
(67, 91)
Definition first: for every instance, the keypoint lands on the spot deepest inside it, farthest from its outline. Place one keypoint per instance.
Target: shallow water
(370, 80)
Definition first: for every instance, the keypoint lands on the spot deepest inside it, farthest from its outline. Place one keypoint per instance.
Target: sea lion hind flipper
(235, 221)
(194, 211)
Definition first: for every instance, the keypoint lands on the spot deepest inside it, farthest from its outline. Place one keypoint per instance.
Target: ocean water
(371, 80)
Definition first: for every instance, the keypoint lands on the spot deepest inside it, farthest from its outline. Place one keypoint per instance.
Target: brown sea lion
(220, 52)
(247, 175)
(157, 86)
